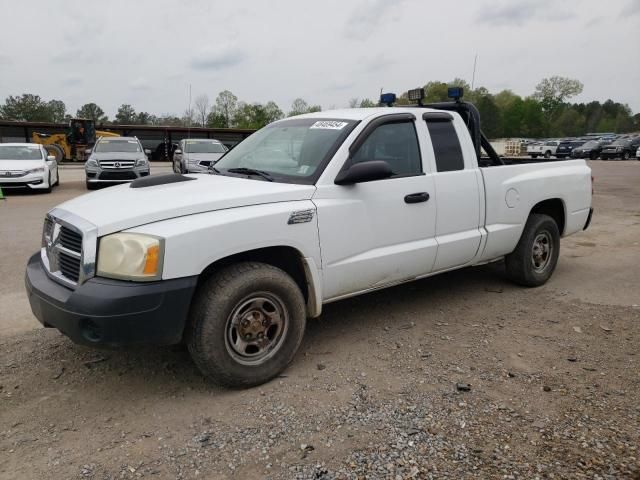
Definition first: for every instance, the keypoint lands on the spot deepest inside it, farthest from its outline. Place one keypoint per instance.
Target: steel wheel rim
(256, 328)
(542, 251)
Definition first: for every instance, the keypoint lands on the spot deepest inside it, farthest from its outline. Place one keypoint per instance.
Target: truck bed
(514, 189)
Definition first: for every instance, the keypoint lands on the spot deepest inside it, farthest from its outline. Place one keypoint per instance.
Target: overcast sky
(146, 53)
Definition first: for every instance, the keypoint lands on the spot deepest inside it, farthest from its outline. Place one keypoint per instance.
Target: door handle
(416, 197)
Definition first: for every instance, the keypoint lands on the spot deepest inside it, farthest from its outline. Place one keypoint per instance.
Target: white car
(638, 153)
(306, 211)
(27, 165)
(195, 155)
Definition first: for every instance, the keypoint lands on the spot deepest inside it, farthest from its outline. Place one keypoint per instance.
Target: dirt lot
(553, 376)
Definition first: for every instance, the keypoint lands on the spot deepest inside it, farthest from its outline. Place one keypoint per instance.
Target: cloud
(632, 8)
(521, 12)
(339, 86)
(74, 56)
(140, 84)
(225, 56)
(367, 17)
(377, 63)
(72, 81)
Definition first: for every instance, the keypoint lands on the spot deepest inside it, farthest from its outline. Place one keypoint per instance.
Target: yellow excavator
(73, 144)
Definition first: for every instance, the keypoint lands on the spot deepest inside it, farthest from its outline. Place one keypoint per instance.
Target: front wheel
(547, 154)
(246, 324)
(626, 155)
(535, 258)
(49, 186)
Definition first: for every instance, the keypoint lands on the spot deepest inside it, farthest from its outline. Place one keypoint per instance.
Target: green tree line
(547, 112)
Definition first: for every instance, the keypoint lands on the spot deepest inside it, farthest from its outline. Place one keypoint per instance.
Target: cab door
(377, 233)
(458, 188)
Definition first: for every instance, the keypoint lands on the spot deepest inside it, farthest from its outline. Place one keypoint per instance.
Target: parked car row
(607, 147)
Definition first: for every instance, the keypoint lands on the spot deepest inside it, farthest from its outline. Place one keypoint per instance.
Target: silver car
(116, 160)
(195, 155)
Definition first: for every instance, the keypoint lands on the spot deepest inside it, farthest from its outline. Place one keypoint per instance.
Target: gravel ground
(458, 376)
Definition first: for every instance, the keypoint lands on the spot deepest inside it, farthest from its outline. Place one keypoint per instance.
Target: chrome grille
(68, 248)
(117, 164)
(70, 239)
(12, 173)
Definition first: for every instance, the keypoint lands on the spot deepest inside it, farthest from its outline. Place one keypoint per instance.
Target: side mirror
(177, 151)
(364, 172)
(51, 158)
(88, 151)
(147, 151)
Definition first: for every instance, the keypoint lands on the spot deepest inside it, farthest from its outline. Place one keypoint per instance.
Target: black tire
(92, 186)
(56, 151)
(521, 264)
(547, 154)
(57, 178)
(237, 292)
(593, 155)
(534, 156)
(626, 156)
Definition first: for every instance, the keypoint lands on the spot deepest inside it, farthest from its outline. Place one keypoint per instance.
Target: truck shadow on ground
(152, 369)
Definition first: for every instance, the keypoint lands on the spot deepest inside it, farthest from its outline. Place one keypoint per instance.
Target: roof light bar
(455, 93)
(388, 99)
(416, 95)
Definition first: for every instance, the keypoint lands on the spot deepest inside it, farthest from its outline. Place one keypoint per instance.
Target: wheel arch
(289, 259)
(553, 207)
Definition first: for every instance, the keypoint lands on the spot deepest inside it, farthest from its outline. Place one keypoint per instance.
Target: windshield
(118, 146)
(591, 144)
(20, 152)
(293, 150)
(196, 146)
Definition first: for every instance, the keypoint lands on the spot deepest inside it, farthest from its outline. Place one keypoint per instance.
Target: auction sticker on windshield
(329, 124)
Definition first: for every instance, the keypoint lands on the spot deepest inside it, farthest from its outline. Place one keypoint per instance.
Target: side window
(446, 146)
(395, 143)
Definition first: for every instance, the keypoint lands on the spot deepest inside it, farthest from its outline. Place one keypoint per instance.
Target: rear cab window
(445, 141)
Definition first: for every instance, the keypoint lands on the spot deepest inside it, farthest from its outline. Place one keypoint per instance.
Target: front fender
(194, 242)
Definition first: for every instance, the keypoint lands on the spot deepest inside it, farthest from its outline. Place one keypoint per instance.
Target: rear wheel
(246, 324)
(534, 156)
(535, 258)
(593, 155)
(626, 155)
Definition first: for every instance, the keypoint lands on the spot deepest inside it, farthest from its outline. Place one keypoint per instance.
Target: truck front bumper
(111, 313)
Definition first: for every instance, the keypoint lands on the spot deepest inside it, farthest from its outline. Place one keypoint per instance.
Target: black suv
(624, 148)
(566, 147)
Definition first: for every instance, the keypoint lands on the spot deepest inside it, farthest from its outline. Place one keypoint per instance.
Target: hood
(121, 207)
(20, 165)
(117, 155)
(203, 156)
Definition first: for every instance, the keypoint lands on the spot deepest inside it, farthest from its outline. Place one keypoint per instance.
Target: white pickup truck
(306, 211)
(543, 149)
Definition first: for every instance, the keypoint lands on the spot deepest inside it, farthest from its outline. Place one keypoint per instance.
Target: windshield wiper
(251, 171)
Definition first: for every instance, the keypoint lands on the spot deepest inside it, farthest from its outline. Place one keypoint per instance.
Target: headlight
(92, 163)
(141, 162)
(131, 256)
(36, 170)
